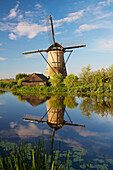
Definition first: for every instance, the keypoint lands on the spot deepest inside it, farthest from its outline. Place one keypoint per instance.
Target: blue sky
(23, 28)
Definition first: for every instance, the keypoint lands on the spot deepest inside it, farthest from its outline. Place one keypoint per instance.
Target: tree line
(88, 81)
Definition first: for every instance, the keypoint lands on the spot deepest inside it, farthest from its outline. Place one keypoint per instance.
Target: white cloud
(13, 12)
(57, 33)
(38, 6)
(7, 76)
(12, 36)
(20, 17)
(102, 16)
(105, 3)
(28, 29)
(2, 59)
(86, 27)
(7, 26)
(71, 17)
(103, 45)
(35, 55)
(1, 117)
(0, 44)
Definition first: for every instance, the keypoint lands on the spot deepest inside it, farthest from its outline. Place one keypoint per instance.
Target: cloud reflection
(85, 133)
(13, 124)
(29, 131)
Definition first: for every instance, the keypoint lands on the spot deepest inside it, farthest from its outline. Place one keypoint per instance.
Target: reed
(33, 157)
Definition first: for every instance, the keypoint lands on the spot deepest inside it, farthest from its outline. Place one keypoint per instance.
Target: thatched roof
(37, 78)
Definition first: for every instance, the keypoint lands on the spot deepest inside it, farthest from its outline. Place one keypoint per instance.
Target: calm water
(58, 117)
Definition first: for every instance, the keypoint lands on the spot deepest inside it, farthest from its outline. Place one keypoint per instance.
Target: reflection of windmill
(56, 63)
(55, 118)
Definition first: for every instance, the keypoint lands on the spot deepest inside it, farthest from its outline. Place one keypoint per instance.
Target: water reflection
(2, 92)
(55, 114)
(101, 105)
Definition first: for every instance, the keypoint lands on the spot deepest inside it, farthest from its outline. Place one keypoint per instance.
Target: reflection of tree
(2, 92)
(97, 104)
(57, 102)
(70, 102)
(86, 107)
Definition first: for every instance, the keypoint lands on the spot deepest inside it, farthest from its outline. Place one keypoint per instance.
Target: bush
(56, 80)
(70, 80)
(20, 76)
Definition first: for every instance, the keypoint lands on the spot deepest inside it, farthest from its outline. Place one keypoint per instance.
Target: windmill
(55, 116)
(56, 63)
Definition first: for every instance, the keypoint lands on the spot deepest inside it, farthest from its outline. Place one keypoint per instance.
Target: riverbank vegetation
(88, 81)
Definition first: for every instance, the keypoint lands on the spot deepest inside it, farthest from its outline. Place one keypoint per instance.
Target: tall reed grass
(32, 157)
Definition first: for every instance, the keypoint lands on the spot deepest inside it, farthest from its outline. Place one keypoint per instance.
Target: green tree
(86, 75)
(19, 82)
(20, 76)
(70, 80)
(56, 80)
(110, 77)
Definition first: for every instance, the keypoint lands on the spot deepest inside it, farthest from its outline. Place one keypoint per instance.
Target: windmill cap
(56, 47)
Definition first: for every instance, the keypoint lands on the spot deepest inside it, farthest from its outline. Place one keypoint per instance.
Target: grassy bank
(79, 88)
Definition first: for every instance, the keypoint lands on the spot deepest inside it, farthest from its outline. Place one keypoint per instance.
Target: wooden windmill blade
(73, 124)
(34, 120)
(52, 29)
(78, 44)
(36, 51)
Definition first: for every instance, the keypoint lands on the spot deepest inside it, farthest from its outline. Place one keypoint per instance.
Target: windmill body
(55, 62)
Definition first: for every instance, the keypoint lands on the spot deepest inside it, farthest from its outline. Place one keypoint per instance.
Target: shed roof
(37, 77)
(34, 100)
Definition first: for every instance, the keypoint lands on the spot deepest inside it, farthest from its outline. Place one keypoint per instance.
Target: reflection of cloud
(23, 131)
(70, 142)
(13, 124)
(2, 59)
(85, 133)
(106, 118)
(29, 131)
(1, 117)
(2, 103)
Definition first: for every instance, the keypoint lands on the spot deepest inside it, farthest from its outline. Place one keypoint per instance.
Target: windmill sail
(72, 45)
(53, 35)
(37, 51)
